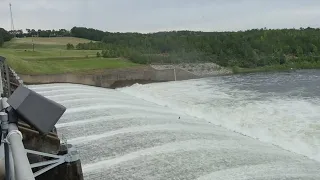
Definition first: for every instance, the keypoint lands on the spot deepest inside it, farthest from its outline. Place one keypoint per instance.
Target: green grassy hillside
(51, 57)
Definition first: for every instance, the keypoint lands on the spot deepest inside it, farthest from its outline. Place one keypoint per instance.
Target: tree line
(251, 48)
(4, 36)
(40, 33)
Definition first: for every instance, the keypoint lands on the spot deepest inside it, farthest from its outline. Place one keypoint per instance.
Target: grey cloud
(154, 15)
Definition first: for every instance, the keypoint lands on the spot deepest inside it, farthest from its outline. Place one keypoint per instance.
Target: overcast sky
(161, 15)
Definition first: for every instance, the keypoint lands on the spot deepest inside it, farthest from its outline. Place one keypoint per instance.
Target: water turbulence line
(176, 147)
(274, 170)
(164, 127)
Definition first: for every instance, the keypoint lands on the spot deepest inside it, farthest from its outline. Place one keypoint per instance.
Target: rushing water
(256, 126)
(279, 108)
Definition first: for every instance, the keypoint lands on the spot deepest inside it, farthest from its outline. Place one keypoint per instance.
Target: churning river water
(254, 126)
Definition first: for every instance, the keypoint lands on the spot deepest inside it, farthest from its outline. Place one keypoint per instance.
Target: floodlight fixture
(35, 110)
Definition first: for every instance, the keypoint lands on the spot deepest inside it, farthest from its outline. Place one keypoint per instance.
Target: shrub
(70, 46)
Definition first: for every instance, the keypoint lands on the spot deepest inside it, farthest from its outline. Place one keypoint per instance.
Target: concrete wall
(110, 78)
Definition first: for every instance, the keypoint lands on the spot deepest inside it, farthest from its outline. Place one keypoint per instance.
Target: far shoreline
(237, 70)
(185, 73)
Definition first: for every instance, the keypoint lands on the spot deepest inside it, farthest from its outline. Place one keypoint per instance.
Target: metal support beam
(72, 156)
(47, 168)
(45, 163)
(42, 154)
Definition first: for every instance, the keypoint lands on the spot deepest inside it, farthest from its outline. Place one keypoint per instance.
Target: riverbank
(274, 68)
(120, 77)
(198, 69)
(114, 78)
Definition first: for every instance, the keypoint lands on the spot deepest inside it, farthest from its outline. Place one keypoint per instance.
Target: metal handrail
(22, 168)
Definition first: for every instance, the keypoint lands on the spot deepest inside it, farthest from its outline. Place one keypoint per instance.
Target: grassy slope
(51, 57)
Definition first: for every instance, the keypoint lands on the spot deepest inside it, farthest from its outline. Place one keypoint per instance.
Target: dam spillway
(123, 137)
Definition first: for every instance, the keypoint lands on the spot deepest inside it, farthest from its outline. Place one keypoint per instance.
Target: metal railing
(16, 163)
(12, 141)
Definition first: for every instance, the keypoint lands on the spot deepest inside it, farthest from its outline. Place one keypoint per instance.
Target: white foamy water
(235, 103)
(120, 136)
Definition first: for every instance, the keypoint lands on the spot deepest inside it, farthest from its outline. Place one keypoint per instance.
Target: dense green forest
(248, 49)
(40, 33)
(8, 35)
(4, 36)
